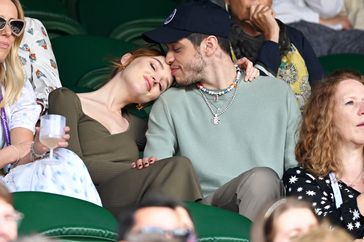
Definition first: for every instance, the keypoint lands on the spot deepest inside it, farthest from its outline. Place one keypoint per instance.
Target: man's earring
(139, 106)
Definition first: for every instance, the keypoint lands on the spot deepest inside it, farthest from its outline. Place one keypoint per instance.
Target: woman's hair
(142, 52)
(318, 137)
(11, 71)
(264, 230)
(325, 233)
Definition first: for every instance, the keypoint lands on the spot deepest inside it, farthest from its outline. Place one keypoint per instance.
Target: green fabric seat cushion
(217, 224)
(64, 217)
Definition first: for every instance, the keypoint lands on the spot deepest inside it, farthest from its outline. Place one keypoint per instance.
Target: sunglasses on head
(16, 25)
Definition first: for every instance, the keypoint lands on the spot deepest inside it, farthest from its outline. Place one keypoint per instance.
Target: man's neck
(220, 75)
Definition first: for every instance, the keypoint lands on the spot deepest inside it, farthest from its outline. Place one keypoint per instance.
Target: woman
(330, 152)
(38, 61)
(108, 139)
(66, 175)
(9, 218)
(284, 220)
(275, 48)
(325, 233)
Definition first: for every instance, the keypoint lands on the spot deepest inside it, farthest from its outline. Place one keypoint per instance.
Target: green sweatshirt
(256, 130)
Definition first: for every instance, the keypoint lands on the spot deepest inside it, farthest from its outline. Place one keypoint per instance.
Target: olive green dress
(108, 158)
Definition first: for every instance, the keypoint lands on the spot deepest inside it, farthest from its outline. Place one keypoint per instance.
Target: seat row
(114, 18)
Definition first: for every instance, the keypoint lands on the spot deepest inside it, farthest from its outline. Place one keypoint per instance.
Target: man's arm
(293, 120)
(161, 136)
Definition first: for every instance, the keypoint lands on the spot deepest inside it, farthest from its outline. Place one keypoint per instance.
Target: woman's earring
(226, 6)
(139, 106)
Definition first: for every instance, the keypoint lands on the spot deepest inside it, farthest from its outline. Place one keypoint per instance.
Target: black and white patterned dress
(319, 192)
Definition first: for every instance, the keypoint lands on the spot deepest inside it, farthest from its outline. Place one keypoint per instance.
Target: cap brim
(165, 35)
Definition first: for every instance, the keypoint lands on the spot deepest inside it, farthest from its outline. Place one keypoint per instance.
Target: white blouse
(24, 113)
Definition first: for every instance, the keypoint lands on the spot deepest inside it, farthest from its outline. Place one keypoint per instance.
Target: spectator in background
(320, 21)
(156, 219)
(325, 233)
(38, 61)
(31, 171)
(9, 218)
(275, 48)
(330, 152)
(283, 221)
(354, 9)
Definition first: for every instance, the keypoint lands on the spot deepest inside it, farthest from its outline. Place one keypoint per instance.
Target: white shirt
(24, 113)
(289, 11)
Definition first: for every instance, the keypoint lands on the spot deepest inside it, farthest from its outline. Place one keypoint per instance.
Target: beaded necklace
(220, 111)
(216, 94)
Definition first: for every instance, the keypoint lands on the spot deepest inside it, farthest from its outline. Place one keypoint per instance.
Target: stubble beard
(193, 71)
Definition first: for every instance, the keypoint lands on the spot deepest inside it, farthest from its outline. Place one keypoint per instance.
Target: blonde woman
(19, 114)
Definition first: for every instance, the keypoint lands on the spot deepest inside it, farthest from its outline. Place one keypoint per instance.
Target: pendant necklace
(216, 115)
(219, 111)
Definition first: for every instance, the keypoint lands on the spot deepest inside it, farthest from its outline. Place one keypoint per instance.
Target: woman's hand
(263, 17)
(144, 162)
(40, 148)
(250, 71)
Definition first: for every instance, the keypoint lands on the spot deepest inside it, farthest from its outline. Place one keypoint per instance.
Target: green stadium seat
(64, 218)
(80, 57)
(102, 17)
(219, 225)
(336, 62)
(71, 219)
(54, 15)
(131, 31)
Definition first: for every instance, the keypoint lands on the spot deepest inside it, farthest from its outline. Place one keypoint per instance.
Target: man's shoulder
(269, 83)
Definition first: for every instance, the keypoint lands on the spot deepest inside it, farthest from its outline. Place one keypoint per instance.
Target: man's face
(163, 223)
(186, 61)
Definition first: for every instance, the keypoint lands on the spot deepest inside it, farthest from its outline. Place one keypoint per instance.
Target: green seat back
(219, 225)
(64, 217)
(71, 219)
(336, 62)
(54, 15)
(82, 56)
(132, 31)
(101, 17)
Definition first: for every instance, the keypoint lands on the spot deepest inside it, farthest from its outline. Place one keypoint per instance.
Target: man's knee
(262, 180)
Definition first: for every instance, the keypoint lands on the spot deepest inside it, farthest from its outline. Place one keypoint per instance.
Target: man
(238, 135)
(156, 219)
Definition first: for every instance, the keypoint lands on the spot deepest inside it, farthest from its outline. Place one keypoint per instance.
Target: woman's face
(292, 223)
(241, 8)
(8, 222)
(7, 11)
(349, 112)
(148, 77)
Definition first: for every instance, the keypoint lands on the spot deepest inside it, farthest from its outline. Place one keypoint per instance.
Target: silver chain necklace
(216, 115)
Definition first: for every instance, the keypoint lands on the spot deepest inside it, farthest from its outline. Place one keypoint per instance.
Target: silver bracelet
(34, 155)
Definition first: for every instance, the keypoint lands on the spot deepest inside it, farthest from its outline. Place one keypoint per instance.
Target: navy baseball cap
(202, 17)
